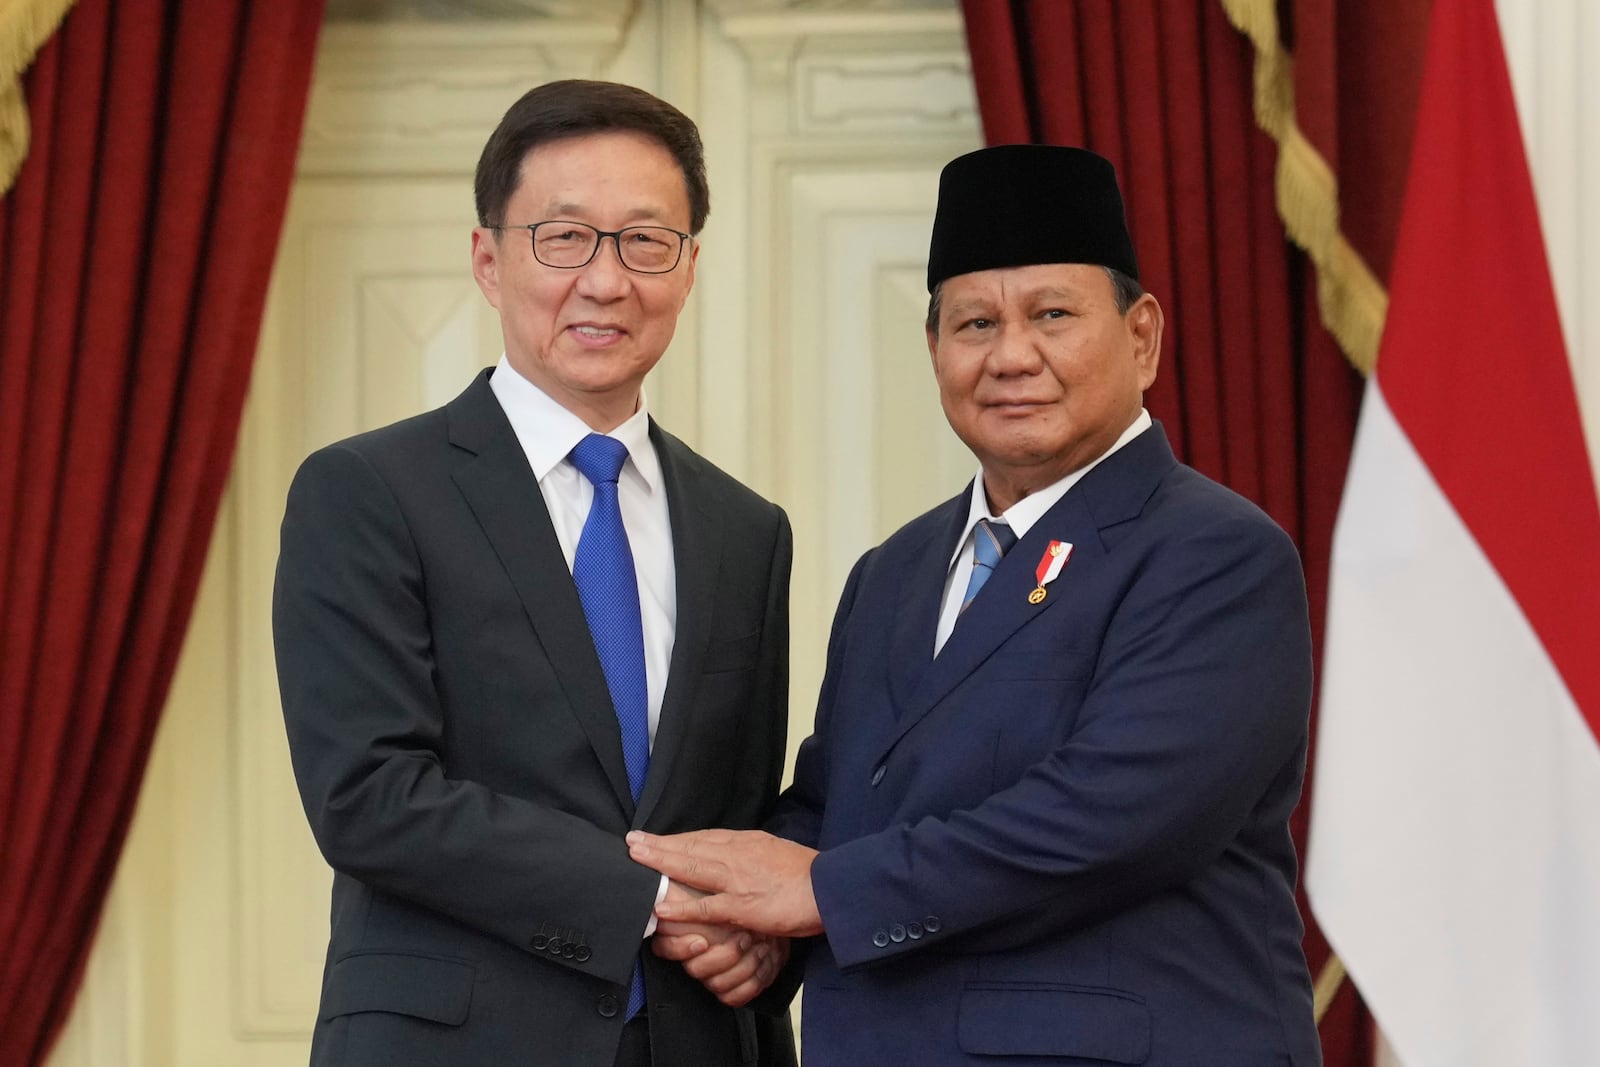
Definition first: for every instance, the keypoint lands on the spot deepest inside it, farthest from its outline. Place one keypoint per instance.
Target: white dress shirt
(1020, 517)
(548, 433)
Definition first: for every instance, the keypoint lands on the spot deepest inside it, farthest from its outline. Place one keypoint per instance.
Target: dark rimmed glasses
(569, 245)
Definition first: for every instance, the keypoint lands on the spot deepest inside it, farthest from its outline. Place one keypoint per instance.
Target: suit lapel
(1112, 493)
(921, 600)
(1003, 608)
(697, 551)
(504, 496)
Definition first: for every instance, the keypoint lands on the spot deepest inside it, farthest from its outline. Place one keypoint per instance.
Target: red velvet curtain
(1253, 390)
(135, 249)
(1357, 72)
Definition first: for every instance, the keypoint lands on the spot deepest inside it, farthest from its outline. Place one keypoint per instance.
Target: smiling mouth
(597, 333)
(1014, 404)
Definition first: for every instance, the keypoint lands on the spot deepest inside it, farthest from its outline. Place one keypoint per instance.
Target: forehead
(609, 173)
(1070, 280)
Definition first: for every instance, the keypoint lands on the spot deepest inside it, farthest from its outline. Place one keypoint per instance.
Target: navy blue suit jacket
(1065, 840)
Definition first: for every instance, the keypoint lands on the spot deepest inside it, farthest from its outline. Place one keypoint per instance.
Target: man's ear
(694, 257)
(1145, 322)
(486, 263)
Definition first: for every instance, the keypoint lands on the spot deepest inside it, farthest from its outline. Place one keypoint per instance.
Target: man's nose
(1015, 350)
(604, 277)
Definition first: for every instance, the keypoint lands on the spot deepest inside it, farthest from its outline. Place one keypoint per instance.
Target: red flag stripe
(1472, 360)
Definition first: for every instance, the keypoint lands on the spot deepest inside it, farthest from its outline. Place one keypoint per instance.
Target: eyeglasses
(569, 245)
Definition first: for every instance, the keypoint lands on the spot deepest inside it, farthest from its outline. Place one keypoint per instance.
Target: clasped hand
(734, 899)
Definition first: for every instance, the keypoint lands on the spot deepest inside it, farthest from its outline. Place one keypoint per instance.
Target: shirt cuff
(661, 894)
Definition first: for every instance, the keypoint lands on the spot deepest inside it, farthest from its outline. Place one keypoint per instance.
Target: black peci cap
(1017, 205)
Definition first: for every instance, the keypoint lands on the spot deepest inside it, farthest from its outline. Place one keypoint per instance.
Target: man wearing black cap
(1065, 714)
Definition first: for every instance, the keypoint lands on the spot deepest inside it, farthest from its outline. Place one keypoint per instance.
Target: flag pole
(1329, 982)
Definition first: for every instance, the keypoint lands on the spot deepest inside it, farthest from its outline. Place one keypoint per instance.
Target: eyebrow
(969, 304)
(1054, 292)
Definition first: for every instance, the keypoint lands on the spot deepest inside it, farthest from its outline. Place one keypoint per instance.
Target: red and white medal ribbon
(1050, 564)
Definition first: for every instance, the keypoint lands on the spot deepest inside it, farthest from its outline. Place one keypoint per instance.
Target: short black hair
(574, 107)
(1125, 290)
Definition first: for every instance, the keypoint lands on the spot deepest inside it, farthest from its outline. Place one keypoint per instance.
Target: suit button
(583, 954)
(554, 947)
(606, 1005)
(569, 950)
(897, 933)
(931, 924)
(914, 931)
(539, 942)
(881, 939)
(877, 774)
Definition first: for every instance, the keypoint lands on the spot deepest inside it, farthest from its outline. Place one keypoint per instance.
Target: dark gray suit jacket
(460, 762)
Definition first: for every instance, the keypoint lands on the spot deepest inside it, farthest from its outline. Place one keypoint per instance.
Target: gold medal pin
(1055, 557)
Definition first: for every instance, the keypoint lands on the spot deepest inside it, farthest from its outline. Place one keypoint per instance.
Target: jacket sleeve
(366, 723)
(800, 808)
(799, 814)
(767, 722)
(1198, 704)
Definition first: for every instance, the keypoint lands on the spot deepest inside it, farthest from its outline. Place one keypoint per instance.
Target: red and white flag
(1455, 837)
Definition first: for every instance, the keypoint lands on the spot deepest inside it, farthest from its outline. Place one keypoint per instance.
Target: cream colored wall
(798, 366)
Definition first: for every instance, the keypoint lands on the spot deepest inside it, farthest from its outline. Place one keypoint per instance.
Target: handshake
(734, 899)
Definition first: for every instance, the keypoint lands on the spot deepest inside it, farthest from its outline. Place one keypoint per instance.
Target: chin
(1023, 439)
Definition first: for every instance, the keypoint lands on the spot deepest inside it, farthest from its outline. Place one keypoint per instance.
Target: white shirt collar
(549, 432)
(1030, 509)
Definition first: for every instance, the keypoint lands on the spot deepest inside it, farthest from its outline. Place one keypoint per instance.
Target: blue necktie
(602, 568)
(991, 540)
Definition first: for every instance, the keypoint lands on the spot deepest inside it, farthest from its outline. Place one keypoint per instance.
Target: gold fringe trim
(1327, 987)
(1352, 301)
(25, 25)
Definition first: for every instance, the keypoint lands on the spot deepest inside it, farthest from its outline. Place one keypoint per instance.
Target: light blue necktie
(602, 568)
(991, 540)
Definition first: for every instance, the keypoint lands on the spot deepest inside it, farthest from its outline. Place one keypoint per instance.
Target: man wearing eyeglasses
(510, 630)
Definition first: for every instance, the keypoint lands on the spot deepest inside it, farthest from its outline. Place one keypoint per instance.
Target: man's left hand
(753, 880)
(735, 965)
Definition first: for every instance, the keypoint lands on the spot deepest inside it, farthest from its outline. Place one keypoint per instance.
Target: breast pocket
(738, 654)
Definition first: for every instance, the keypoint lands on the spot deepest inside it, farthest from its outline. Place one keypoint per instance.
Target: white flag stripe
(1470, 922)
